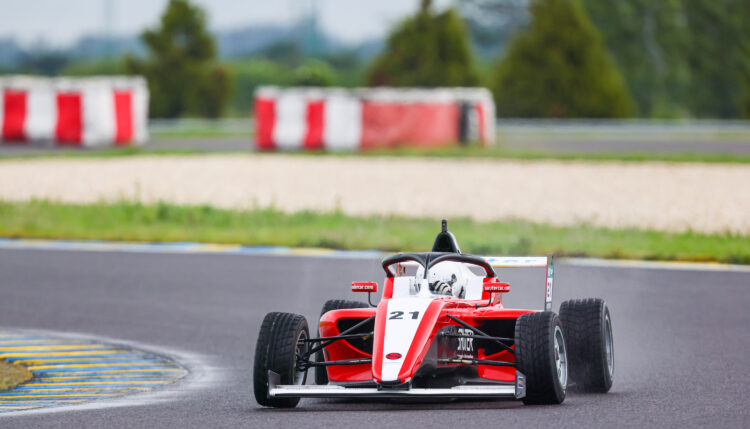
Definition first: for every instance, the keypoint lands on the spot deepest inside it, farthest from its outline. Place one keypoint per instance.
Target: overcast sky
(61, 22)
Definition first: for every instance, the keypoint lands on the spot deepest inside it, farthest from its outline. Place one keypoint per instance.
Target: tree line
(558, 59)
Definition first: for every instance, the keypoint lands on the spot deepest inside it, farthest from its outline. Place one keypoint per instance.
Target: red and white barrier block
(95, 111)
(367, 118)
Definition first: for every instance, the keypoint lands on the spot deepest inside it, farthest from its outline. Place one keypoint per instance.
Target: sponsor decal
(364, 287)
(465, 345)
(393, 356)
(521, 381)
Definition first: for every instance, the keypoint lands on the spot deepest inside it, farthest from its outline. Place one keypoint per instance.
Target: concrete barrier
(91, 111)
(369, 118)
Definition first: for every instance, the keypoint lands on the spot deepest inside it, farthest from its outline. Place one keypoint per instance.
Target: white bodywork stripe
(399, 333)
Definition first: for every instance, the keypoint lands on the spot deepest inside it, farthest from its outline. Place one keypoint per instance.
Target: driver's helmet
(444, 278)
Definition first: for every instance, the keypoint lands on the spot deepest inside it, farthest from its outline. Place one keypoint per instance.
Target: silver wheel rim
(608, 345)
(561, 358)
(299, 376)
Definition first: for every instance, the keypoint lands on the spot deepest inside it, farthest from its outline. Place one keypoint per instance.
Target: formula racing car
(439, 331)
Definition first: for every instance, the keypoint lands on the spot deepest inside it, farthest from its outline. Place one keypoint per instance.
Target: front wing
(511, 391)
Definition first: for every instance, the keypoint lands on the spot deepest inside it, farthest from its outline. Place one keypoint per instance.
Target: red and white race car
(440, 330)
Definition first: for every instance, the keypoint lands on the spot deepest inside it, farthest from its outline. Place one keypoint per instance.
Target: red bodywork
(434, 320)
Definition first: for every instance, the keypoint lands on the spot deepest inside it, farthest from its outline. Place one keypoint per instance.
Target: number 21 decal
(400, 315)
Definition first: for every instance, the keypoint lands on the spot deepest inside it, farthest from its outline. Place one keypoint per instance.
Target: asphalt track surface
(681, 338)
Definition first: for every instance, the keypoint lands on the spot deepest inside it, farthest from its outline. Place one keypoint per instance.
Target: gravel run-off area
(702, 197)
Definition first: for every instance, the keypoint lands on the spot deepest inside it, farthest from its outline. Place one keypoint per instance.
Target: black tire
(275, 351)
(321, 375)
(588, 329)
(536, 337)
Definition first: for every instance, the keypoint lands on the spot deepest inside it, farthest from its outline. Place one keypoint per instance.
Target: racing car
(440, 330)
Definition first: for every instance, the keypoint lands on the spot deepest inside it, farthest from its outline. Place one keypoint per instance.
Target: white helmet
(445, 278)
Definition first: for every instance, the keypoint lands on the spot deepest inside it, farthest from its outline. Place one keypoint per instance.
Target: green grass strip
(165, 222)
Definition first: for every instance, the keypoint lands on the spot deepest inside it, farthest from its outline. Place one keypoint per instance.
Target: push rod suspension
(341, 362)
(476, 362)
(339, 337)
(327, 343)
(477, 331)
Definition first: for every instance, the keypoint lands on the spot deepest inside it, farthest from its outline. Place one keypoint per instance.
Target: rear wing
(529, 262)
(519, 262)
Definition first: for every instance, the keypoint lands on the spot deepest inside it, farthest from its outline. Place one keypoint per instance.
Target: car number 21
(400, 315)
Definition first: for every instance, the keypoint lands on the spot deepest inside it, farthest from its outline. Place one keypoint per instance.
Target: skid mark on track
(72, 371)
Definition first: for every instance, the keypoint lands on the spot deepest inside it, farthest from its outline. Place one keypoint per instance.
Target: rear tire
(588, 328)
(278, 342)
(541, 356)
(321, 374)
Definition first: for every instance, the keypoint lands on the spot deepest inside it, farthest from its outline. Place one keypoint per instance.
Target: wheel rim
(300, 349)
(608, 345)
(561, 358)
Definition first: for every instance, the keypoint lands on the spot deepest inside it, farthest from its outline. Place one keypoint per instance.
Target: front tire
(588, 328)
(542, 357)
(321, 374)
(279, 341)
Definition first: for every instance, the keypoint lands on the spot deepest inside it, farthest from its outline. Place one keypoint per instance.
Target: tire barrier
(370, 118)
(91, 111)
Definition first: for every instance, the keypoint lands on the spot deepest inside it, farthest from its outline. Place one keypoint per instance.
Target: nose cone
(403, 331)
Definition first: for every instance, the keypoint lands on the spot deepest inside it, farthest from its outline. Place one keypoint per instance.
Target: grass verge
(12, 375)
(165, 222)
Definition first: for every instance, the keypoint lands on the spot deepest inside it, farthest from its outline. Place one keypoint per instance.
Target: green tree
(102, 67)
(181, 68)
(247, 75)
(427, 49)
(314, 73)
(679, 57)
(559, 67)
(648, 40)
(718, 56)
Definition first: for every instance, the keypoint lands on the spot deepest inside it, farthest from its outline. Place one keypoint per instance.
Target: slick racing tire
(541, 356)
(280, 338)
(321, 375)
(588, 330)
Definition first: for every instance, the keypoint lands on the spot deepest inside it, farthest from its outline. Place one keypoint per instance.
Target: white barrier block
(140, 112)
(41, 112)
(98, 115)
(342, 128)
(291, 120)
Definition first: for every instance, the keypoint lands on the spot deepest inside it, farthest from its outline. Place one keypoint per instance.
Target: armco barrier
(366, 118)
(92, 111)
